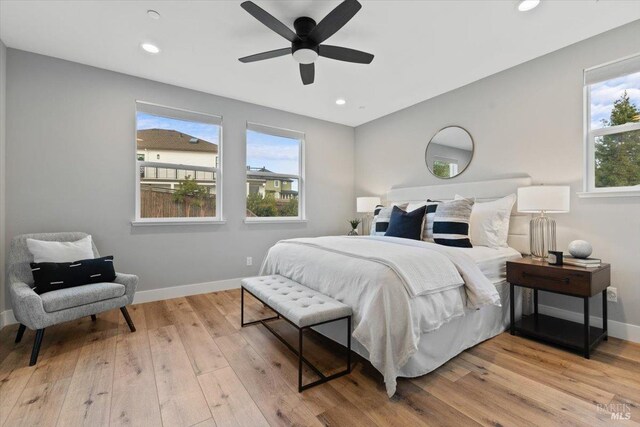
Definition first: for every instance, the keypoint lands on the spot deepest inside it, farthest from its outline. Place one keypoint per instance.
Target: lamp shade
(544, 198)
(367, 204)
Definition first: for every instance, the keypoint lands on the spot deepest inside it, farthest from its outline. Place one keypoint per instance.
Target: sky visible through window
(204, 131)
(275, 153)
(605, 93)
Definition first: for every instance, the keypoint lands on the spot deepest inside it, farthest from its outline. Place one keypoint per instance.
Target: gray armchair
(38, 312)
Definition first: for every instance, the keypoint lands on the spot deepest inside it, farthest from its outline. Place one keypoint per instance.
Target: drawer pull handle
(557, 279)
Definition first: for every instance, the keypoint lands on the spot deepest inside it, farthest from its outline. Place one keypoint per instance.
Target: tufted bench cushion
(299, 304)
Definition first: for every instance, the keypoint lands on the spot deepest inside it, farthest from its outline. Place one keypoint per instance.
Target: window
(275, 174)
(612, 127)
(445, 168)
(185, 185)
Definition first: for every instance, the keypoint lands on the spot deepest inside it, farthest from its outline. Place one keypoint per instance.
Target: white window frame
(615, 69)
(285, 133)
(182, 114)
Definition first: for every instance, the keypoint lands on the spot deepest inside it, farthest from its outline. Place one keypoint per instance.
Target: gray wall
(527, 119)
(70, 141)
(3, 87)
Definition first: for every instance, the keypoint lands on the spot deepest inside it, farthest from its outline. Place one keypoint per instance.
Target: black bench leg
(300, 359)
(349, 344)
(242, 307)
(125, 313)
(36, 346)
(21, 329)
(93, 318)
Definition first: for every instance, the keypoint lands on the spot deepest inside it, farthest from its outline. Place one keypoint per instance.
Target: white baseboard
(185, 290)
(6, 317)
(625, 331)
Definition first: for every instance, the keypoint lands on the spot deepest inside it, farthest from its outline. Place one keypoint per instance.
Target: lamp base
(366, 224)
(542, 235)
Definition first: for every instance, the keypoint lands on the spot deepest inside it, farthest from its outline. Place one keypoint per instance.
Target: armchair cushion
(80, 295)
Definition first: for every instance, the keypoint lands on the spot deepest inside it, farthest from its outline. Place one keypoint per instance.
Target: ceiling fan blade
(345, 54)
(334, 20)
(267, 19)
(266, 55)
(307, 72)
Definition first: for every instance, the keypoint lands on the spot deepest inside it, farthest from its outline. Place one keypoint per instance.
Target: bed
(416, 304)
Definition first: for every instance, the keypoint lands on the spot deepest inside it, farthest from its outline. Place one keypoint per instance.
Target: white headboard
(483, 191)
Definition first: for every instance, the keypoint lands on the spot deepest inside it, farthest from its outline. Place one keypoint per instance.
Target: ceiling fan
(306, 41)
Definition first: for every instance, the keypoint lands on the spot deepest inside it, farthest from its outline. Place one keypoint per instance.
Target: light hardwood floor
(190, 364)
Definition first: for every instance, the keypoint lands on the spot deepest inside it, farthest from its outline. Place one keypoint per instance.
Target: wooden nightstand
(567, 280)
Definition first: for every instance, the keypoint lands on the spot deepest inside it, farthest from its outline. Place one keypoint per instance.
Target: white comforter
(369, 274)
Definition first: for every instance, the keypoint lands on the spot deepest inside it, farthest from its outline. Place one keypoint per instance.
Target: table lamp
(366, 205)
(543, 199)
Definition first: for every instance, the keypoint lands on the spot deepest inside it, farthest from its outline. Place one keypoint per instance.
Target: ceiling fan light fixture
(341, 101)
(305, 56)
(527, 5)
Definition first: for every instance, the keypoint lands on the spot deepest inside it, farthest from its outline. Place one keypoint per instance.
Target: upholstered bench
(303, 308)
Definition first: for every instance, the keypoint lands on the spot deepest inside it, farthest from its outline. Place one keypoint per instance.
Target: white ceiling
(422, 48)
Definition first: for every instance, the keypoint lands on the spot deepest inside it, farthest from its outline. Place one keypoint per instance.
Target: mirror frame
(473, 150)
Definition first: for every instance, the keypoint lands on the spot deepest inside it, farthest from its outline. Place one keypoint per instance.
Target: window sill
(265, 220)
(608, 194)
(147, 223)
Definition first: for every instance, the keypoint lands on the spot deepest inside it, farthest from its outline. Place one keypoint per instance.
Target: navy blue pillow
(407, 225)
(51, 276)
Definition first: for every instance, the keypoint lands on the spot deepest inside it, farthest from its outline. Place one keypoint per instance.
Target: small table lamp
(543, 199)
(366, 205)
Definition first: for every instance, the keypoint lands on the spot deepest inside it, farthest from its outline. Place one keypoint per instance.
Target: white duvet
(399, 289)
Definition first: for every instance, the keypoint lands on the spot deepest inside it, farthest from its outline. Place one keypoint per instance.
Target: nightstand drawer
(572, 282)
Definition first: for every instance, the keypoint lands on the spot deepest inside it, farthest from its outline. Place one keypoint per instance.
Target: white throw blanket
(387, 321)
(421, 270)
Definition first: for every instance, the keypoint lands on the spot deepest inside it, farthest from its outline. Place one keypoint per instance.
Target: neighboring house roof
(264, 178)
(168, 139)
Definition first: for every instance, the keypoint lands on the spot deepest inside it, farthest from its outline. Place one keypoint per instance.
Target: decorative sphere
(580, 248)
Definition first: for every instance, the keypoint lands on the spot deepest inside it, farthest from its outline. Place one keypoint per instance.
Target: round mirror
(449, 152)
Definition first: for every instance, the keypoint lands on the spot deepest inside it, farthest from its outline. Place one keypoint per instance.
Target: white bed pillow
(489, 222)
(45, 251)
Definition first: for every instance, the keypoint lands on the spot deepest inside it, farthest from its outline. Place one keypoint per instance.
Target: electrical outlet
(249, 261)
(612, 294)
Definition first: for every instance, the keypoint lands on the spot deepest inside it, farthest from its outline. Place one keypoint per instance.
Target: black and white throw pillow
(407, 225)
(430, 214)
(451, 223)
(51, 276)
(382, 215)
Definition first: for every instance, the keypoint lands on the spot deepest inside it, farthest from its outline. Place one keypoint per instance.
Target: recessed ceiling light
(341, 101)
(526, 5)
(153, 14)
(150, 48)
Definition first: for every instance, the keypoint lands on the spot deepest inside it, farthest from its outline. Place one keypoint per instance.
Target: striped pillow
(427, 232)
(451, 223)
(381, 218)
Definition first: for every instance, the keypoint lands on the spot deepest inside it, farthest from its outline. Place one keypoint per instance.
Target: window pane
(265, 200)
(187, 199)
(270, 192)
(615, 102)
(618, 160)
(179, 189)
(273, 153)
(445, 169)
